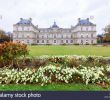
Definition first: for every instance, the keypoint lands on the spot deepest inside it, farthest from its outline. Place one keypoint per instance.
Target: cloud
(65, 12)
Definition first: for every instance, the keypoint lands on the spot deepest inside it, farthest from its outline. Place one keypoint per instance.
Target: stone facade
(84, 32)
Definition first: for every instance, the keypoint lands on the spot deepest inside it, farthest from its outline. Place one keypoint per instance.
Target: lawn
(62, 50)
(54, 87)
(69, 50)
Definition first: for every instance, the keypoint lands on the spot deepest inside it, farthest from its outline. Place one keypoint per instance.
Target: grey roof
(8, 33)
(85, 22)
(25, 21)
(55, 25)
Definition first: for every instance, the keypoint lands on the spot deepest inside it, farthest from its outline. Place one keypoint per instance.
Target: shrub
(72, 62)
(10, 51)
(60, 60)
(39, 62)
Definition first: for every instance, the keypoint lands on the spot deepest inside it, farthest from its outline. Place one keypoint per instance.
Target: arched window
(61, 41)
(47, 41)
(92, 41)
(42, 41)
(71, 41)
(81, 41)
(37, 41)
(54, 41)
(66, 41)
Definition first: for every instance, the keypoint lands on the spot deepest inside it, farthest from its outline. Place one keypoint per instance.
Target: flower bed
(49, 74)
(58, 69)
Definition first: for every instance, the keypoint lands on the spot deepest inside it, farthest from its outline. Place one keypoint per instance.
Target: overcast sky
(64, 12)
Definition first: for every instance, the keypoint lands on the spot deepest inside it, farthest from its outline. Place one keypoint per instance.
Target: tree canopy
(3, 36)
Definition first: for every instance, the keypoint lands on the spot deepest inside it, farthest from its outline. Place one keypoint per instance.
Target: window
(16, 35)
(37, 36)
(61, 41)
(92, 28)
(28, 36)
(87, 29)
(28, 28)
(92, 35)
(71, 41)
(54, 36)
(37, 41)
(66, 36)
(87, 42)
(28, 41)
(22, 35)
(66, 41)
(54, 41)
(87, 36)
(22, 41)
(42, 41)
(47, 41)
(22, 28)
(16, 28)
(81, 41)
(81, 36)
(92, 41)
(81, 28)
(42, 37)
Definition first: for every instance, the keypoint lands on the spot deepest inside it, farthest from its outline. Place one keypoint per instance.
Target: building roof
(84, 22)
(55, 25)
(25, 21)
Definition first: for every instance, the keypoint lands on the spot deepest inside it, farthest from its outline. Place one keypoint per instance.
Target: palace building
(84, 32)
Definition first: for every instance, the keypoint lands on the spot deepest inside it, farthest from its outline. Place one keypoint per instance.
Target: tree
(107, 34)
(3, 36)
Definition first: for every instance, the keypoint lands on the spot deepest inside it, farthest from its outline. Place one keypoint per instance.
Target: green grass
(69, 50)
(53, 87)
(62, 50)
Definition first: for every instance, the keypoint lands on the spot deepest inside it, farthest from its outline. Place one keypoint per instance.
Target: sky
(64, 12)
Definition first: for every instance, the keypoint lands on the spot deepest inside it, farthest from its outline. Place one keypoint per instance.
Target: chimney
(88, 19)
(21, 18)
(79, 19)
(30, 19)
(37, 26)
